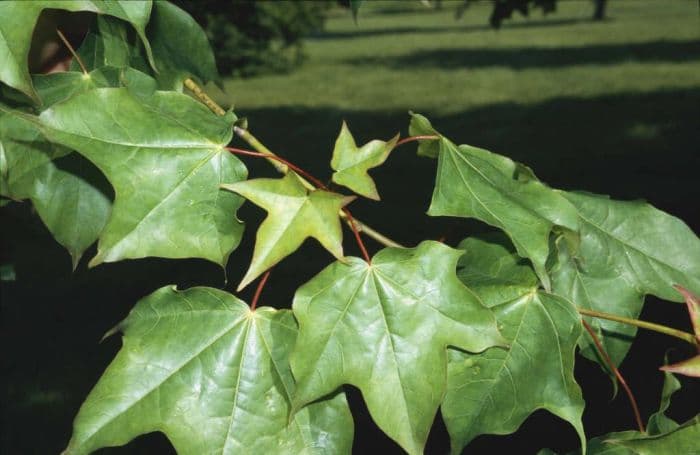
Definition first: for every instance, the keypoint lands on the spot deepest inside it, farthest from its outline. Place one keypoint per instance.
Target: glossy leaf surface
(475, 183)
(16, 34)
(351, 162)
(495, 391)
(163, 155)
(294, 214)
(213, 376)
(651, 250)
(384, 328)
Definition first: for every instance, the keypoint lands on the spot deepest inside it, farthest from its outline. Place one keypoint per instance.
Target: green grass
(610, 106)
(391, 62)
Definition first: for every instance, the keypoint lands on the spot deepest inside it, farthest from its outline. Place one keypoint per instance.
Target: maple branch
(282, 165)
(284, 162)
(203, 97)
(685, 336)
(259, 289)
(416, 138)
(618, 375)
(72, 51)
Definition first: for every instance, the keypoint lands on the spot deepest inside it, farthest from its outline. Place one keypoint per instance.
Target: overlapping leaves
(164, 157)
(627, 249)
(493, 392)
(384, 328)
(213, 376)
(609, 253)
(476, 183)
(73, 209)
(16, 34)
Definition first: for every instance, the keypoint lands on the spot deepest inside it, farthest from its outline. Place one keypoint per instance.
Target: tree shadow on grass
(540, 57)
(359, 32)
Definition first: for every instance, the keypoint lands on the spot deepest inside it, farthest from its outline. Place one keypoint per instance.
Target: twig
(685, 336)
(416, 138)
(618, 375)
(259, 289)
(72, 51)
(282, 165)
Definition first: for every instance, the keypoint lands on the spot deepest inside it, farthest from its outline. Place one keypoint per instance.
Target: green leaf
(16, 34)
(493, 270)
(420, 126)
(384, 328)
(164, 156)
(56, 87)
(631, 240)
(294, 214)
(493, 392)
(682, 441)
(180, 47)
(658, 422)
(475, 183)
(73, 209)
(604, 292)
(111, 42)
(213, 376)
(351, 163)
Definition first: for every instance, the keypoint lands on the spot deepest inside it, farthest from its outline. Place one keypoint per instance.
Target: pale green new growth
(294, 214)
(352, 163)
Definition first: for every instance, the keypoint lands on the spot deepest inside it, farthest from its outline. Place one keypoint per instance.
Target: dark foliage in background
(253, 37)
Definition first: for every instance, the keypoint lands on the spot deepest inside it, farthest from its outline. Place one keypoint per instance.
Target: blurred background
(610, 105)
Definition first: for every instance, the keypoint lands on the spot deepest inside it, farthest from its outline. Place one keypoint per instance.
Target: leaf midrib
(175, 370)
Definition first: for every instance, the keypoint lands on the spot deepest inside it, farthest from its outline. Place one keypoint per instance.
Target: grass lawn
(610, 107)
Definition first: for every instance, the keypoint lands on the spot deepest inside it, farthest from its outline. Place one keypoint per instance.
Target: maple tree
(415, 329)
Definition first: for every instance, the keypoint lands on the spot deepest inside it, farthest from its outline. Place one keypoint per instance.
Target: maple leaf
(384, 327)
(294, 214)
(352, 163)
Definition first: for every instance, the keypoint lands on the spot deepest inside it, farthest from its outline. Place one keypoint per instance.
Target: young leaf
(213, 376)
(294, 214)
(164, 157)
(351, 163)
(72, 208)
(420, 126)
(16, 34)
(384, 328)
(475, 183)
(493, 392)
